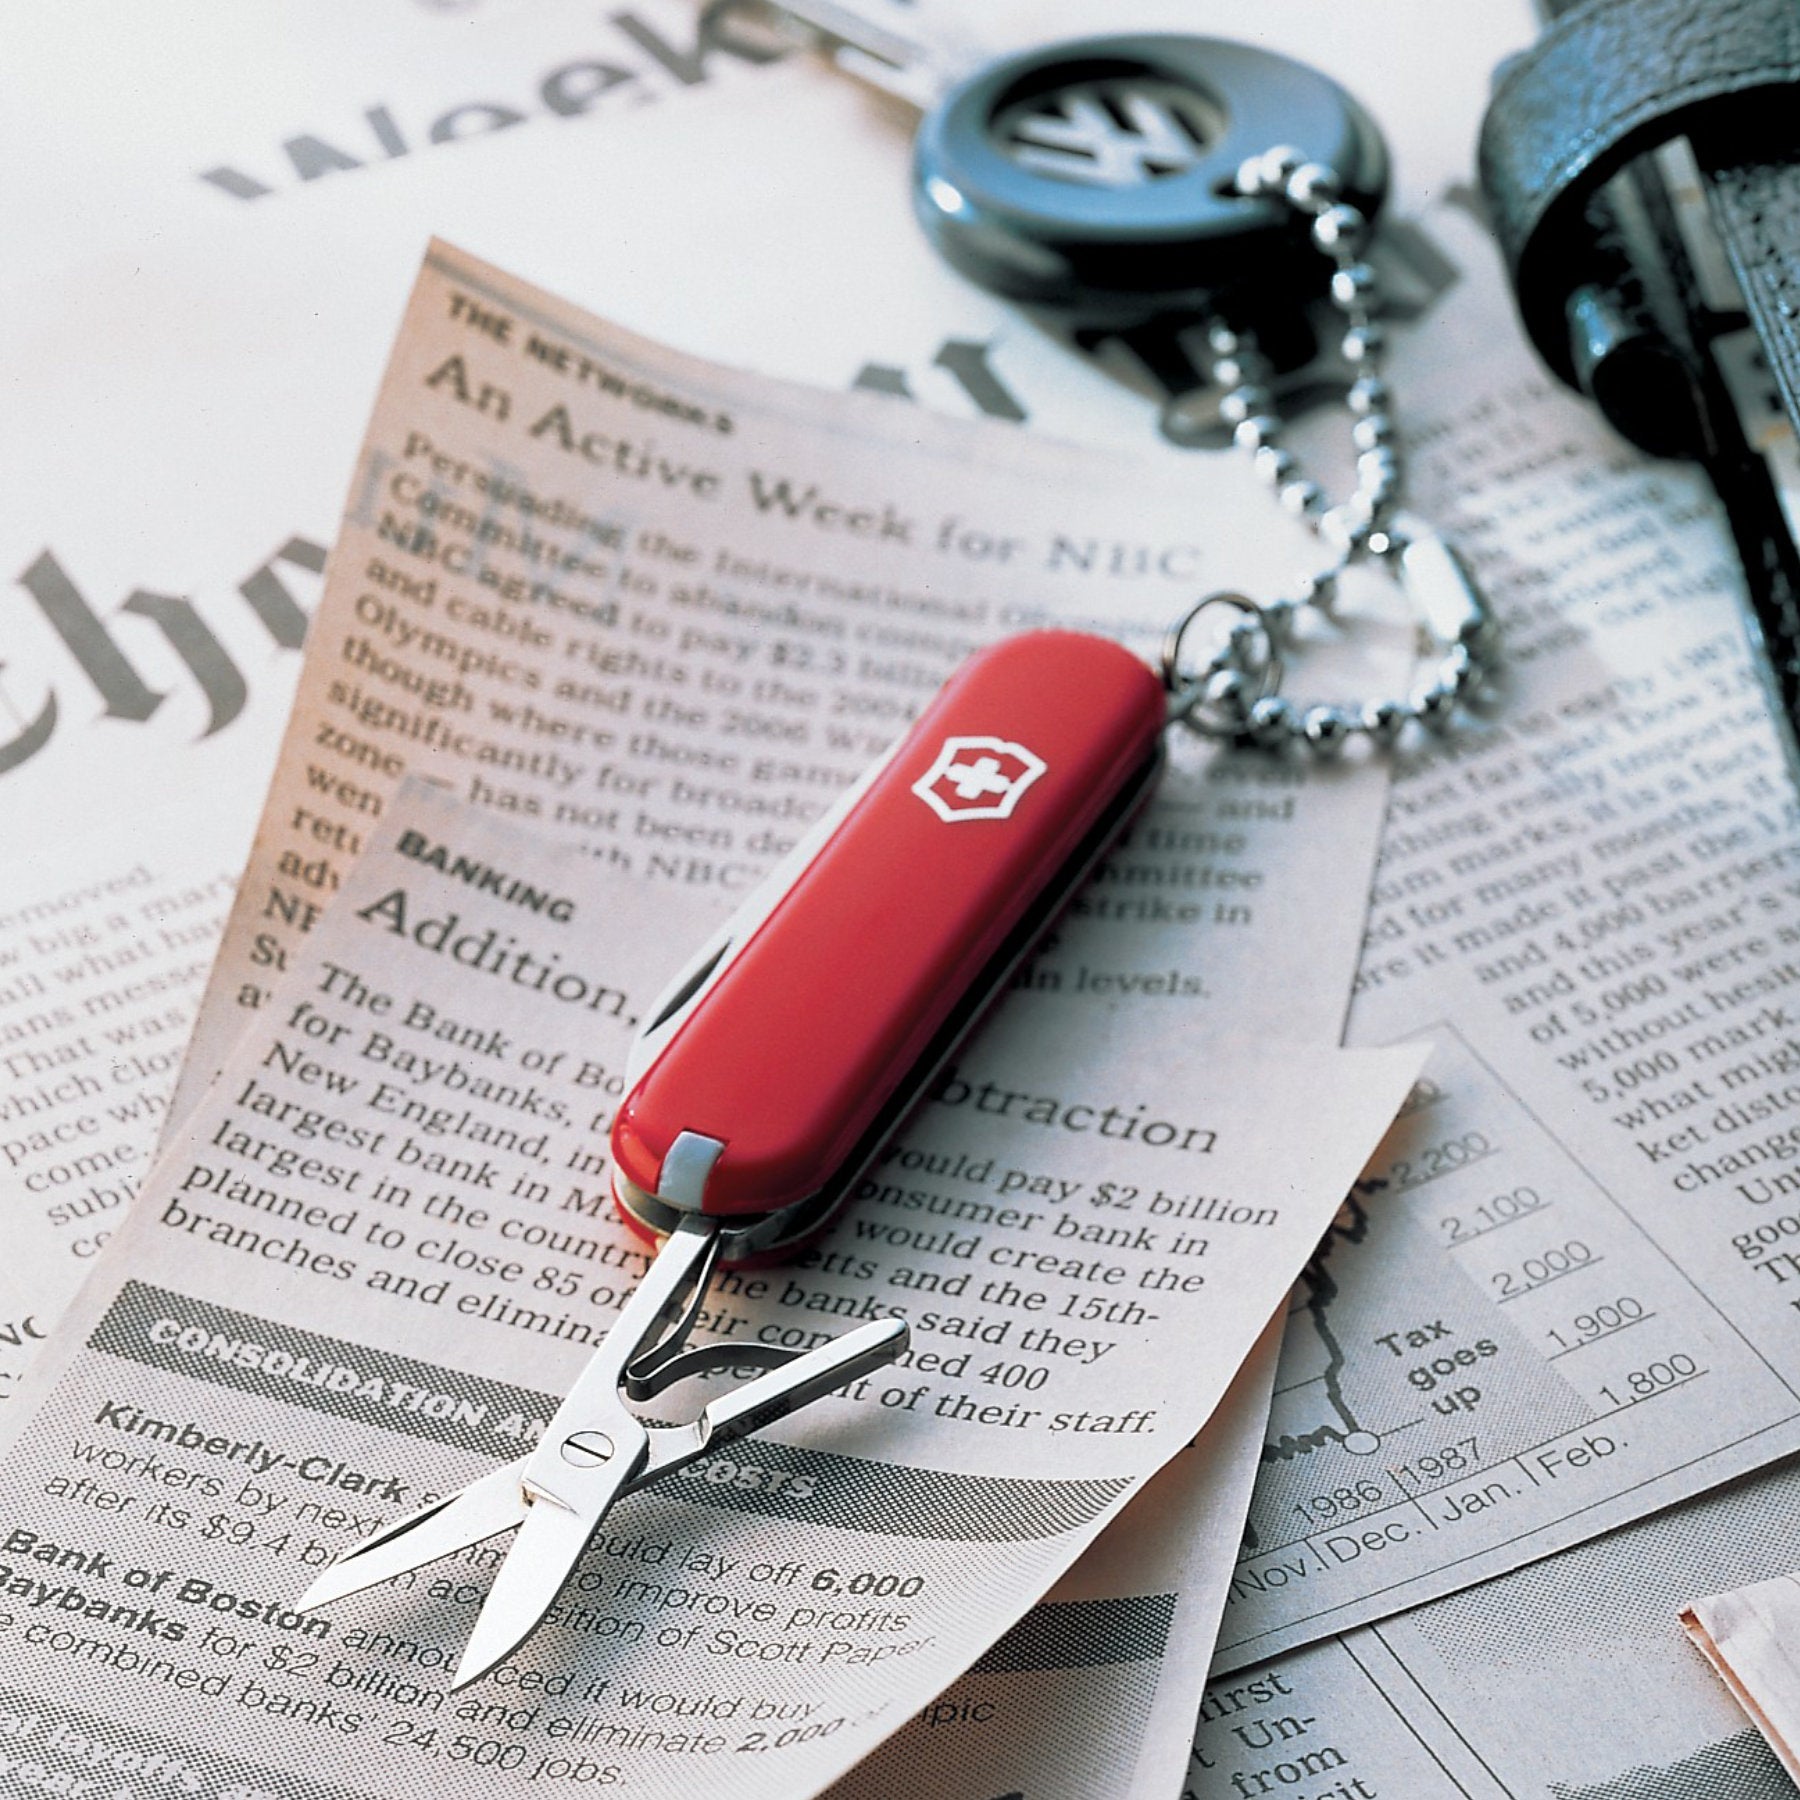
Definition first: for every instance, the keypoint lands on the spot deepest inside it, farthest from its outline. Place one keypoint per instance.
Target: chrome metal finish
(1198, 698)
(1114, 134)
(585, 1449)
(850, 40)
(596, 1449)
(1236, 694)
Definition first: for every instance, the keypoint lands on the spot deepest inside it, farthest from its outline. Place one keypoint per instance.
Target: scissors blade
(542, 1558)
(494, 1503)
(567, 1492)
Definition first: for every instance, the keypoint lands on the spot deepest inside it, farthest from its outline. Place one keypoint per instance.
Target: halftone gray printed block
(1742, 1533)
(1739, 1768)
(1083, 1634)
(1021, 1734)
(852, 1493)
(88, 1747)
(214, 1345)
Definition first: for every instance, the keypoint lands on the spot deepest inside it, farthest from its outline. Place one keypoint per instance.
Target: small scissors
(779, 1061)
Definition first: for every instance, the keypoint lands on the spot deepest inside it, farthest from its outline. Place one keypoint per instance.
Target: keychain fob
(1096, 178)
(802, 1033)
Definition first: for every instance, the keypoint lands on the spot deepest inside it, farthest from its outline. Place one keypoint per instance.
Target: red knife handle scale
(818, 1018)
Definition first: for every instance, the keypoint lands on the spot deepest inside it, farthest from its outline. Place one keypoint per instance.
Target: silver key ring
(1214, 699)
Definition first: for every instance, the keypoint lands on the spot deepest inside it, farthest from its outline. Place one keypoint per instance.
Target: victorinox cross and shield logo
(977, 778)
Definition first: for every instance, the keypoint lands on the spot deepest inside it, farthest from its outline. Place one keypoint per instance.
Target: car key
(1096, 178)
(1163, 191)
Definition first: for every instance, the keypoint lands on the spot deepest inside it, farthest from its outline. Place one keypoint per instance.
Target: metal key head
(1097, 178)
(911, 52)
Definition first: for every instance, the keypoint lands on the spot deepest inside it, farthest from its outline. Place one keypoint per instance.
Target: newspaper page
(1750, 1636)
(287, 260)
(165, 347)
(1616, 553)
(103, 953)
(378, 1249)
(1477, 396)
(206, 114)
(1323, 1721)
(1568, 1300)
(1324, 820)
(146, 651)
(1095, 1690)
(150, 645)
(1314, 1004)
(24, 1325)
(1571, 1679)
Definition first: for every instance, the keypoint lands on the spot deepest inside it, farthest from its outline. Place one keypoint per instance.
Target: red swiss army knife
(779, 1061)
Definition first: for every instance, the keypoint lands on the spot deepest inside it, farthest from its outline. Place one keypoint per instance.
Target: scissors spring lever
(596, 1449)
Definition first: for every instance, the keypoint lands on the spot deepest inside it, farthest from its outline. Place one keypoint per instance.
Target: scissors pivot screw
(587, 1449)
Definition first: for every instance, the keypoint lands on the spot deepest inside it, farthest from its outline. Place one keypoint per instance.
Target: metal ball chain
(1235, 694)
